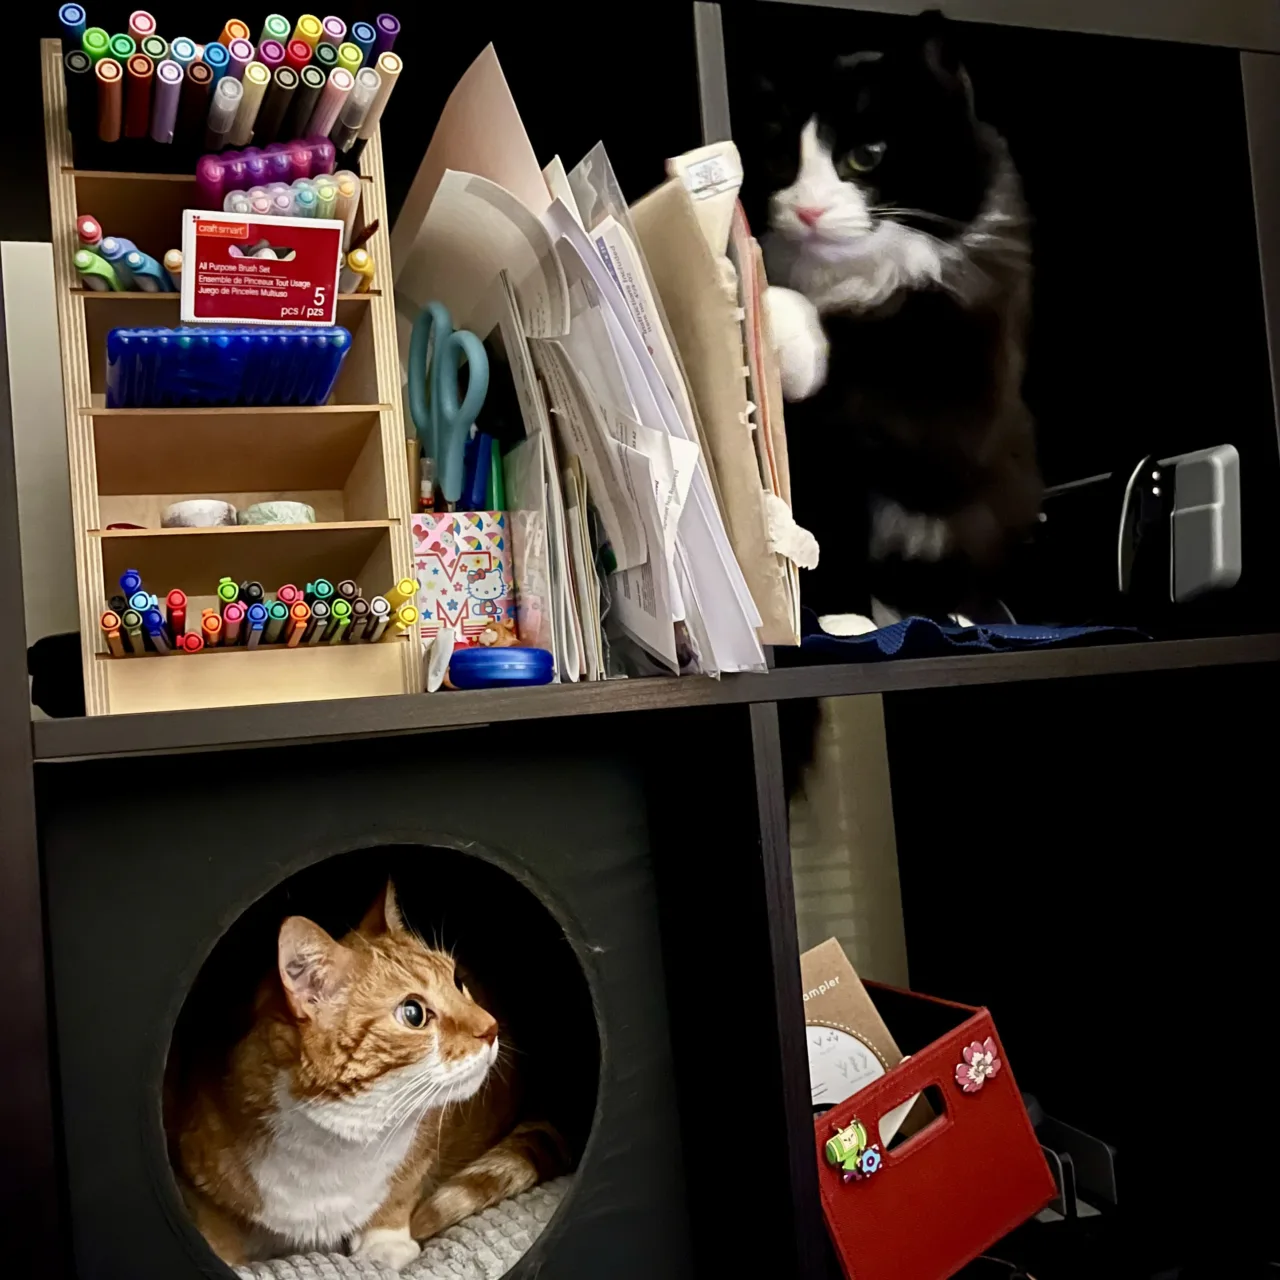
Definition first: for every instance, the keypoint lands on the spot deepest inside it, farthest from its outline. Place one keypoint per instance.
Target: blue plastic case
(499, 668)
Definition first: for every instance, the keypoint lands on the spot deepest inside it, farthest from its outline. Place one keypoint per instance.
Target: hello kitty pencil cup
(463, 563)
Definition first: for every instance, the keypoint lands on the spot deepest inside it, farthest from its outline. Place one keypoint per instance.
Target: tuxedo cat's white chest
(326, 1166)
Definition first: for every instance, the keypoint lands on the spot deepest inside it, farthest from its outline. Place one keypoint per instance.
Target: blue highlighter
(148, 275)
(113, 250)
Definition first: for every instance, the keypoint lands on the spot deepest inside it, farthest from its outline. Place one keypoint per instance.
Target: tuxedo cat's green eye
(413, 1014)
(862, 159)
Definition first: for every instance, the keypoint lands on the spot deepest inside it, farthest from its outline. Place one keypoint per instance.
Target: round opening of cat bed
(390, 1059)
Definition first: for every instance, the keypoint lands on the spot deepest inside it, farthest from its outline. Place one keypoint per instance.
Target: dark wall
(555, 56)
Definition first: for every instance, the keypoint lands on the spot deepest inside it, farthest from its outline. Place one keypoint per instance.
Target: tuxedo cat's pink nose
(809, 215)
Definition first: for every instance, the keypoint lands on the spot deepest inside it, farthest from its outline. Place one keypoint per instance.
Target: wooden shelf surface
(104, 736)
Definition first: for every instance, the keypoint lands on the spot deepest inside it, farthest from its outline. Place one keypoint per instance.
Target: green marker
(228, 592)
(497, 495)
(131, 619)
(96, 43)
(277, 613)
(97, 273)
(276, 28)
(156, 48)
(122, 48)
(340, 615)
(321, 588)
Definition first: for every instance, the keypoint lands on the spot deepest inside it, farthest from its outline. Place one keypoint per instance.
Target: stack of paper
(549, 265)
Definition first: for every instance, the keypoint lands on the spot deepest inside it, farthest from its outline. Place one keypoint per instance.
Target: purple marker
(324, 156)
(388, 27)
(299, 161)
(271, 54)
(279, 166)
(256, 167)
(335, 31)
(164, 110)
(241, 52)
(210, 176)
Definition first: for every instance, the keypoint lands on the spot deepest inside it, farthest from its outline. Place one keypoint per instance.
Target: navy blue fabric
(924, 638)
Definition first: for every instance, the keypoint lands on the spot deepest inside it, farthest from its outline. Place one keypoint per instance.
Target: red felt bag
(926, 1207)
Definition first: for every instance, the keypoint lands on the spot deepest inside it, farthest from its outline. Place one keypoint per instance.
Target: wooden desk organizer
(346, 459)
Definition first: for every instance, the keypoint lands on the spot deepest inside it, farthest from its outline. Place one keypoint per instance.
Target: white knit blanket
(481, 1247)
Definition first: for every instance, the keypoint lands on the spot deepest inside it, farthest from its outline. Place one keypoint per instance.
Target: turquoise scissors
(437, 353)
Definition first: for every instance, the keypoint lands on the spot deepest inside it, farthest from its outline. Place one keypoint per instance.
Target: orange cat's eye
(413, 1014)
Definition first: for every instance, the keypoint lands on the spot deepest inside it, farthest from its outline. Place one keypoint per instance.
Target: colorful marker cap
(141, 25)
(191, 641)
(388, 27)
(217, 57)
(89, 233)
(335, 30)
(234, 30)
(297, 54)
(325, 56)
(72, 18)
(156, 48)
(122, 48)
(309, 28)
(341, 608)
(363, 35)
(271, 53)
(276, 27)
(96, 43)
(182, 50)
(277, 612)
(350, 56)
(228, 592)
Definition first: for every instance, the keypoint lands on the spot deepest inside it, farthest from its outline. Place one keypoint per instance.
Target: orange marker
(211, 626)
(299, 616)
(234, 30)
(111, 629)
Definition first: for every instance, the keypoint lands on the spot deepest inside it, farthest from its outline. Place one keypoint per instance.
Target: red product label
(260, 270)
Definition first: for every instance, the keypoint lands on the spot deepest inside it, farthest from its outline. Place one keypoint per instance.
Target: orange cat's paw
(394, 1249)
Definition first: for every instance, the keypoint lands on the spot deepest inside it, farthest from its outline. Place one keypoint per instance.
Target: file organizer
(344, 458)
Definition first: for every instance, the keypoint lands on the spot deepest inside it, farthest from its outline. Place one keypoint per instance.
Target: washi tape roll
(278, 513)
(198, 513)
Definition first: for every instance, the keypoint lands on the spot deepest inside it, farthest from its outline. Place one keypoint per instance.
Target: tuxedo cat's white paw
(799, 340)
(392, 1248)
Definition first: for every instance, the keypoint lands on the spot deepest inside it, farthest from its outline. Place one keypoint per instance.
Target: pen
(255, 79)
(379, 616)
(183, 51)
(137, 96)
(406, 618)
(333, 31)
(96, 43)
(359, 620)
(347, 128)
(191, 642)
(357, 272)
(251, 593)
(387, 27)
(284, 83)
(277, 616)
(388, 66)
(276, 27)
(110, 623)
(164, 117)
(154, 47)
(142, 601)
(299, 616)
(122, 48)
(232, 617)
(228, 593)
(319, 622)
(222, 113)
(154, 624)
(363, 36)
(130, 581)
(325, 57)
(320, 589)
(340, 613)
(497, 495)
(309, 30)
(288, 595)
(141, 25)
(109, 75)
(211, 626)
(96, 273)
(257, 620)
(173, 265)
(404, 590)
(132, 620)
(72, 18)
(307, 94)
(176, 611)
(348, 589)
(350, 56)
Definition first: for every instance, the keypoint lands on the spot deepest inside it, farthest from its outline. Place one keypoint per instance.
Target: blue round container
(481, 668)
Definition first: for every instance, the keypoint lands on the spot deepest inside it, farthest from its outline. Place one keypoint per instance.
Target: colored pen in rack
(71, 17)
(110, 624)
(299, 618)
(110, 98)
(320, 614)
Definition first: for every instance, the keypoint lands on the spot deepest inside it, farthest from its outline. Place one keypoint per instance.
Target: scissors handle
(455, 419)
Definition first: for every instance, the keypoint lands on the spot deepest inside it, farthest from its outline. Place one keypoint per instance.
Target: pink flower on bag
(980, 1063)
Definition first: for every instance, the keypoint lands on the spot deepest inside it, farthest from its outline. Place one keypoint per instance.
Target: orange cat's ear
(384, 916)
(313, 967)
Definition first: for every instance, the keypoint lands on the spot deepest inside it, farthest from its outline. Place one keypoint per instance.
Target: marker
(271, 54)
(122, 48)
(241, 52)
(363, 36)
(183, 51)
(193, 102)
(351, 119)
(332, 98)
(297, 54)
(132, 620)
(256, 78)
(96, 273)
(228, 593)
(357, 272)
(211, 627)
(110, 98)
(217, 57)
(232, 617)
(284, 83)
(333, 31)
(141, 600)
(251, 593)
(389, 66)
(299, 616)
(320, 589)
(173, 265)
(234, 30)
(88, 231)
(319, 622)
(154, 624)
(277, 616)
(113, 250)
(148, 275)
(141, 25)
(130, 581)
(288, 595)
(211, 176)
(310, 85)
(222, 111)
(257, 620)
(110, 624)
(324, 56)
(348, 589)
(276, 27)
(96, 43)
(379, 616)
(82, 92)
(359, 620)
(191, 642)
(118, 604)
(349, 56)
(405, 589)
(341, 615)
(164, 117)
(406, 617)
(176, 611)
(388, 27)
(348, 202)
(308, 29)
(155, 47)
(326, 196)
(72, 18)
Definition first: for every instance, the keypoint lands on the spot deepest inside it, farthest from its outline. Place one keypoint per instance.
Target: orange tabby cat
(353, 1113)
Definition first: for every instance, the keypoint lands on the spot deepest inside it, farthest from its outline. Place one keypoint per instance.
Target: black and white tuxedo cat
(899, 254)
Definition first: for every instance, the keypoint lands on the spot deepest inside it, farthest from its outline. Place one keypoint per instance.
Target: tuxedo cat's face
(887, 137)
